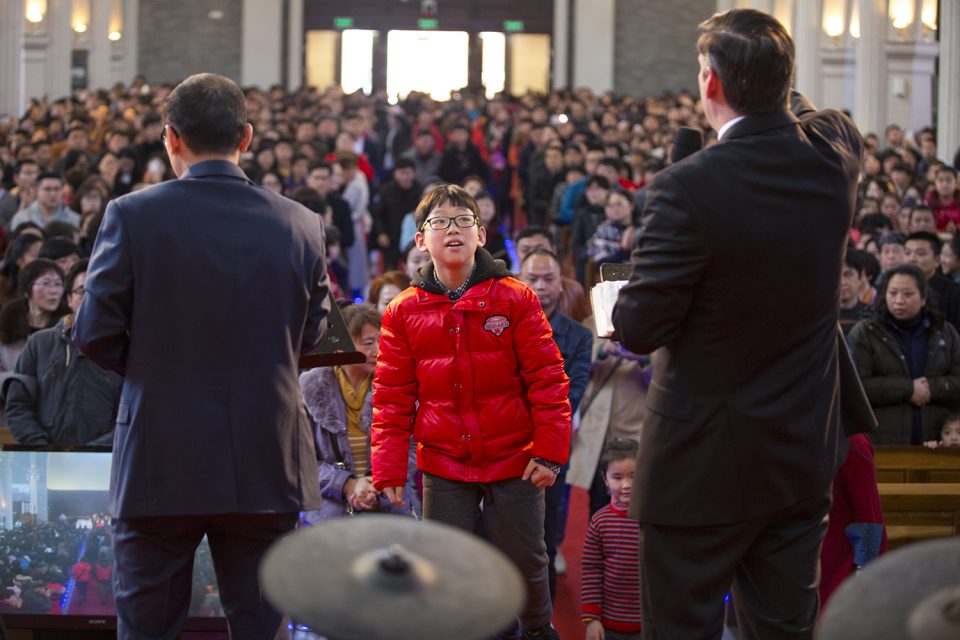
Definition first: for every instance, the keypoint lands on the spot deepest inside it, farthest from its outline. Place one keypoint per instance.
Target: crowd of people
(559, 186)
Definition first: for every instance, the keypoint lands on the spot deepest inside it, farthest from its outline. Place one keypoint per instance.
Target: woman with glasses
(39, 306)
(56, 395)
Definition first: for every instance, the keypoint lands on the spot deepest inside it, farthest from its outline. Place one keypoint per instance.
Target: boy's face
(619, 481)
(454, 246)
(946, 185)
(950, 435)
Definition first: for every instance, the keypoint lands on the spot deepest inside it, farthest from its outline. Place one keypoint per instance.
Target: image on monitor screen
(56, 564)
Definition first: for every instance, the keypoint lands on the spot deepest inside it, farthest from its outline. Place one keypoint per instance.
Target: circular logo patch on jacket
(496, 324)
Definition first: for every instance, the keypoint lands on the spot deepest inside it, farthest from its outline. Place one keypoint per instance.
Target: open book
(604, 296)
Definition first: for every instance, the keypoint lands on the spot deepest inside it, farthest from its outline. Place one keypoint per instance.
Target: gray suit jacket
(203, 292)
(735, 290)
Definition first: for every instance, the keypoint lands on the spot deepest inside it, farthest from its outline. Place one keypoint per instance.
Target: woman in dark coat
(908, 359)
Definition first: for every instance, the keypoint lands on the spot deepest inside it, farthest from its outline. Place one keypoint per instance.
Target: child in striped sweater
(610, 594)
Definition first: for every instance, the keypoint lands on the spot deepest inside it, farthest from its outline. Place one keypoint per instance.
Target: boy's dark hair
(75, 270)
(873, 222)
(209, 112)
(357, 315)
(598, 180)
(753, 56)
(945, 168)
(930, 238)
(921, 207)
(56, 248)
(891, 237)
(404, 163)
(59, 229)
(855, 260)
(49, 175)
(616, 450)
(449, 194)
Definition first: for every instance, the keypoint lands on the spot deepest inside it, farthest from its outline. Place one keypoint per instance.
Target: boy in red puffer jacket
(468, 363)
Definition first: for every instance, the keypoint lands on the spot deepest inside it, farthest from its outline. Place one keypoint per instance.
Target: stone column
(806, 39)
(12, 27)
(59, 51)
(131, 36)
(296, 36)
(262, 31)
(948, 94)
(561, 44)
(593, 44)
(870, 91)
(100, 62)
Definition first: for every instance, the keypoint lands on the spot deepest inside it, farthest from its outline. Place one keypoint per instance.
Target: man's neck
(45, 213)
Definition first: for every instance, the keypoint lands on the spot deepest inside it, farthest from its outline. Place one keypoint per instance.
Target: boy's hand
(594, 630)
(539, 475)
(394, 495)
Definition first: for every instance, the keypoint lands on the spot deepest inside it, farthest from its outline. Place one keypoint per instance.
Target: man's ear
(714, 87)
(247, 137)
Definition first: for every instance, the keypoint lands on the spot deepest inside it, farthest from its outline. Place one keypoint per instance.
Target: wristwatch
(553, 466)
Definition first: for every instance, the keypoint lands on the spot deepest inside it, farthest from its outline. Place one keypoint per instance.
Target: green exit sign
(512, 26)
(428, 23)
(343, 22)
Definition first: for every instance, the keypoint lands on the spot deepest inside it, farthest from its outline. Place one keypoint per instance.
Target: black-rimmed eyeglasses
(440, 223)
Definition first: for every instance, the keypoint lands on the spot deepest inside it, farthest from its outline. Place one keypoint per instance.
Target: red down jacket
(488, 377)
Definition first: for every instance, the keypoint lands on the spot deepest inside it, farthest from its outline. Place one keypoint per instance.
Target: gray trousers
(511, 520)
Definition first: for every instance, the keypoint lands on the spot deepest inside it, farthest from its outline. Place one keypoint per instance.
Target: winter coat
(886, 379)
(328, 412)
(487, 375)
(58, 396)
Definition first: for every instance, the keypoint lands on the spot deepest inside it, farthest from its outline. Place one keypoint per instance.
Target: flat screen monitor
(53, 524)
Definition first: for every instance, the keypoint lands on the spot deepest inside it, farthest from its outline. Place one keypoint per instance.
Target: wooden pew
(919, 511)
(917, 464)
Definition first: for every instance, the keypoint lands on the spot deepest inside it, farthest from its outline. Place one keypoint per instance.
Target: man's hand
(921, 392)
(394, 495)
(383, 240)
(539, 475)
(594, 630)
(27, 196)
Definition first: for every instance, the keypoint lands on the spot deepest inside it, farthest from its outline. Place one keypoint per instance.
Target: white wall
(262, 43)
(593, 44)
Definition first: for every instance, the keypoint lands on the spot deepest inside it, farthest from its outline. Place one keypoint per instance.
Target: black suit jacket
(735, 291)
(203, 292)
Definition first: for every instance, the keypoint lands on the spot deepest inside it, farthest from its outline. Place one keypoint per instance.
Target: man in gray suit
(735, 290)
(203, 292)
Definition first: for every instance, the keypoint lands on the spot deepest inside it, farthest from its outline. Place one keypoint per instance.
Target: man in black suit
(203, 292)
(735, 291)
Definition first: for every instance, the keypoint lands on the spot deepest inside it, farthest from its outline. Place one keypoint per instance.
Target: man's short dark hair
(75, 270)
(209, 112)
(945, 168)
(921, 207)
(855, 260)
(534, 230)
(49, 175)
(874, 222)
(891, 237)
(320, 164)
(930, 238)
(902, 166)
(542, 252)
(602, 182)
(24, 162)
(404, 163)
(56, 248)
(753, 55)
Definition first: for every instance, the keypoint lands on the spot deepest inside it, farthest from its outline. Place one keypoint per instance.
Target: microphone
(687, 143)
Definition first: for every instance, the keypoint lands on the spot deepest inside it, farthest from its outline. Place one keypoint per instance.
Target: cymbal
(380, 577)
(910, 594)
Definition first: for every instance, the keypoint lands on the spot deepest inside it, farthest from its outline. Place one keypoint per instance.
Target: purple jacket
(328, 412)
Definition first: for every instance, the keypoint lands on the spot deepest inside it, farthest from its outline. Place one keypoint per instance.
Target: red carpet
(566, 607)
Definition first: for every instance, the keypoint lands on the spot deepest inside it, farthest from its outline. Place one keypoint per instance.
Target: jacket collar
(487, 267)
(758, 123)
(215, 168)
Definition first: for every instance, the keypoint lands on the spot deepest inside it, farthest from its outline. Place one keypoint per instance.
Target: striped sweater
(611, 571)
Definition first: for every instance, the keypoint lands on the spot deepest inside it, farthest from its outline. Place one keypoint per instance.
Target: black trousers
(772, 564)
(154, 569)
